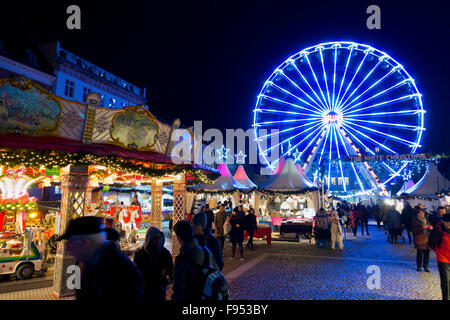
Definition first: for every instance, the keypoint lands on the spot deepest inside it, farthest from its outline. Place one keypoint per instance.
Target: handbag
(227, 226)
(420, 239)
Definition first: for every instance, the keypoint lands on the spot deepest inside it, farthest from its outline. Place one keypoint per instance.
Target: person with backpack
(237, 233)
(195, 278)
(156, 265)
(205, 238)
(394, 224)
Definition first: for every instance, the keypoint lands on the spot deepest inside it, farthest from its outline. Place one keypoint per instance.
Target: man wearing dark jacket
(437, 217)
(408, 216)
(107, 274)
(187, 263)
(250, 225)
(204, 237)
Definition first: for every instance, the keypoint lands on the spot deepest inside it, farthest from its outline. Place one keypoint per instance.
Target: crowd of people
(202, 236)
(426, 231)
(198, 263)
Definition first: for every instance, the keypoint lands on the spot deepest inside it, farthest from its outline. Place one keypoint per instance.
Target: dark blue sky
(207, 60)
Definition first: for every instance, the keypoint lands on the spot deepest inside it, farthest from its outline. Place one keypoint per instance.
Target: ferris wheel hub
(332, 117)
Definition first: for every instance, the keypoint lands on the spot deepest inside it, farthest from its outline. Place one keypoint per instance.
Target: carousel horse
(129, 226)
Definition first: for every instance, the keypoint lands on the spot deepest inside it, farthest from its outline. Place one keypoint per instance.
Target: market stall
(293, 201)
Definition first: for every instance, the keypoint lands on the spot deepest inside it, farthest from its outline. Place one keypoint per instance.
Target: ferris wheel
(336, 100)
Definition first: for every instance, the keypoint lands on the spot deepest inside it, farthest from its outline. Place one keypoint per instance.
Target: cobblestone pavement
(300, 271)
(297, 271)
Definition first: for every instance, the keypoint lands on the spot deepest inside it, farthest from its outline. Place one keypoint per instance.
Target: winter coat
(213, 244)
(185, 275)
(408, 215)
(219, 221)
(152, 266)
(383, 214)
(111, 277)
(420, 234)
(209, 219)
(394, 219)
(439, 241)
(237, 233)
(250, 223)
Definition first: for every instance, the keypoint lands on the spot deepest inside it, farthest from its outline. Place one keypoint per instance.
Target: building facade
(77, 77)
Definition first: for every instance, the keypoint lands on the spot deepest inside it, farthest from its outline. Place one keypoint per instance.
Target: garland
(36, 159)
(16, 206)
(246, 191)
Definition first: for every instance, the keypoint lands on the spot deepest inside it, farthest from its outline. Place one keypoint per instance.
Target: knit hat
(199, 220)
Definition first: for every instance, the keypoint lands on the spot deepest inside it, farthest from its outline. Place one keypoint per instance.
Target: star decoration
(296, 154)
(220, 153)
(240, 157)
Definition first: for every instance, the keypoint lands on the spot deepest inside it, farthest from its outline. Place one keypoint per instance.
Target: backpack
(211, 284)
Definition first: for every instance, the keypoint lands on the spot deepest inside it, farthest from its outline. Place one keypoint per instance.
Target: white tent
(289, 179)
(431, 183)
(242, 178)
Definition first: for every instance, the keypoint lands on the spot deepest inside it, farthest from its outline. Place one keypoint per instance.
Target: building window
(68, 90)
(346, 181)
(339, 181)
(86, 92)
(112, 102)
(103, 100)
(333, 181)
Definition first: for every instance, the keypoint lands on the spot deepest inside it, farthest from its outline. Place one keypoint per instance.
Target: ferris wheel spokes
(317, 82)
(354, 76)
(345, 73)
(325, 78)
(306, 81)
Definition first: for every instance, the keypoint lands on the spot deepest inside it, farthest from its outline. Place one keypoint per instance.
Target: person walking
(354, 221)
(437, 217)
(191, 257)
(219, 222)
(336, 231)
(408, 215)
(209, 217)
(156, 265)
(237, 233)
(421, 229)
(205, 238)
(251, 226)
(322, 228)
(107, 274)
(439, 241)
(377, 214)
(364, 218)
(393, 223)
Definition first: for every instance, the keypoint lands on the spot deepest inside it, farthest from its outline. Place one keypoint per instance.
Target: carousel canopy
(300, 170)
(430, 184)
(289, 179)
(226, 182)
(242, 178)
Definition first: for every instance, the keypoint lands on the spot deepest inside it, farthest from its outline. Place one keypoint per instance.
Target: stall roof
(242, 177)
(289, 179)
(226, 182)
(431, 183)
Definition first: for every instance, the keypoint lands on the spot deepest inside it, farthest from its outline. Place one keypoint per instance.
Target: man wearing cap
(440, 242)
(204, 237)
(436, 217)
(106, 272)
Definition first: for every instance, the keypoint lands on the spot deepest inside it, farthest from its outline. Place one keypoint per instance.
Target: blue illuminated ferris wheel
(336, 100)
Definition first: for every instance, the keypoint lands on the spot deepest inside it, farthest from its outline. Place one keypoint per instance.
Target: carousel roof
(300, 170)
(242, 178)
(226, 182)
(289, 179)
(431, 183)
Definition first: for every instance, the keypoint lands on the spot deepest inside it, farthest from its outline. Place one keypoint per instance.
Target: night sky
(207, 60)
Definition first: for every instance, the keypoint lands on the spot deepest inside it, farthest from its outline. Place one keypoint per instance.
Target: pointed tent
(278, 170)
(289, 179)
(300, 170)
(225, 182)
(406, 185)
(430, 184)
(242, 178)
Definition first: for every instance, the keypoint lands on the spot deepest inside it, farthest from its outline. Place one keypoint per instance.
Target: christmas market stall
(292, 201)
(60, 160)
(428, 190)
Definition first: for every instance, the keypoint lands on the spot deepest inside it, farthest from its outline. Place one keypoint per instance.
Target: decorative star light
(222, 153)
(240, 157)
(407, 175)
(296, 153)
